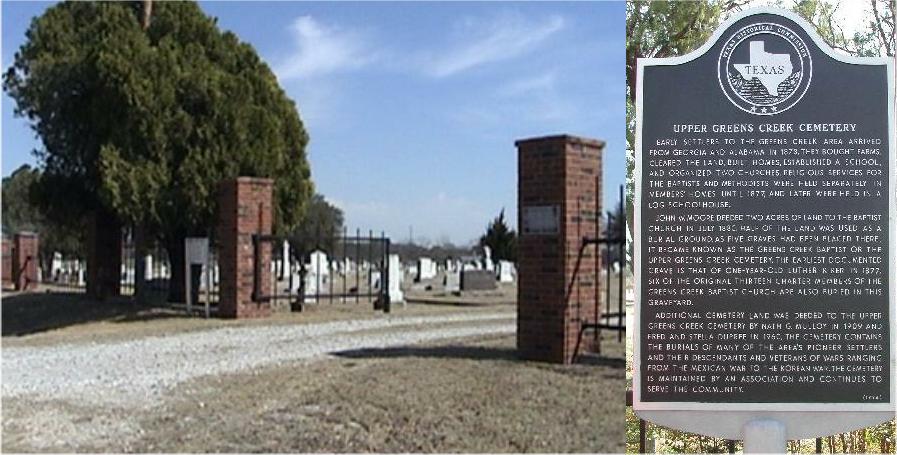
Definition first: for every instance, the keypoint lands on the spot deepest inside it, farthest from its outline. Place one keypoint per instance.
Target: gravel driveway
(137, 373)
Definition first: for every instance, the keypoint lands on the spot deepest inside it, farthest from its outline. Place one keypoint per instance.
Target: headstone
(452, 281)
(312, 286)
(127, 273)
(487, 258)
(395, 280)
(148, 270)
(477, 280)
(764, 236)
(285, 260)
(505, 271)
(56, 266)
(426, 269)
(374, 280)
(317, 266)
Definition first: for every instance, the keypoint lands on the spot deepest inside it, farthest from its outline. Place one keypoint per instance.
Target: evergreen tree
(142, 119)
(501, 239)
(20, 213)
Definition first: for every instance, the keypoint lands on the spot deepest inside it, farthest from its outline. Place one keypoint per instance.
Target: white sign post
(197, 253)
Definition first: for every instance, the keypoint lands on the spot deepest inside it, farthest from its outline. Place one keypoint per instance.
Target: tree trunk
(174, 244)
(140, 250)
(146, 14)
(177, 286)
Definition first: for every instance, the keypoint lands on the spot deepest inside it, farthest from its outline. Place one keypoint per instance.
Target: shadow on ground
(465, 352)
(25, 314)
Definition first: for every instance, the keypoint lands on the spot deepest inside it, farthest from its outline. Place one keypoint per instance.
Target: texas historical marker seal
(765, 68)
(765, 236)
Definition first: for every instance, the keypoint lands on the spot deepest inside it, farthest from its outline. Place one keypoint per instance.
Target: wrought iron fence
(328, 269)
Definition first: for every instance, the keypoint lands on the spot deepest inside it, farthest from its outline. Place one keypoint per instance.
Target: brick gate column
(245, 207)
(558, 200)
(103, 256)
(25, 261)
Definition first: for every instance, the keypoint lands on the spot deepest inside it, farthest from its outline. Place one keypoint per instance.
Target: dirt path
(440, 383)
(137, 373)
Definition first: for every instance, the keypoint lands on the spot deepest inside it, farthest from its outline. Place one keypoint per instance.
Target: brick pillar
(558, 200)
(103, 256)
(7, 263)
(25, 261)
(245, 208)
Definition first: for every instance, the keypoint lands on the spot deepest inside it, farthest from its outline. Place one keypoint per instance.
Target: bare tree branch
(879, 28)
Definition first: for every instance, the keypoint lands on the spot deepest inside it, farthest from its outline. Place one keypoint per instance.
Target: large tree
(322, 224)
(142, 119)
(20, 213)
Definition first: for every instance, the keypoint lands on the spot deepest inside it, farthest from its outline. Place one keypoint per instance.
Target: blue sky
(413, 108)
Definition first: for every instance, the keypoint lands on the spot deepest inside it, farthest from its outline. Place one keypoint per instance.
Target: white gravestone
(452, 281)
(505, 272)
(374, 280)
(487, 259)
(426, 269)
(148, 270)
(284, 260)
(395, 280)
(317, 265)
(56, 266)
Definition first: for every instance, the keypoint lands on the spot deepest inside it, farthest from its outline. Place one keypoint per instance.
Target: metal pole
(345, 263)
(642, 435)
(764, 436)
(621, 245)
(384, 284)
(607, 269)
(370, 261)
(188, 282)
(331, 252)
(357, 265)
(208, 284)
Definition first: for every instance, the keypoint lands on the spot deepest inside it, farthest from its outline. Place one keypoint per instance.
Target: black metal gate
(336, 269)
(613, 241)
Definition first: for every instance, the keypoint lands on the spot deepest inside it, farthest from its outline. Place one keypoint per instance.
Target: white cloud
(504, 37)
(322, 49)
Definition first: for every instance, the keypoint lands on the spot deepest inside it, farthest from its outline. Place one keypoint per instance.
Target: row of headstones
(318, 269)
(426, 269)
(74, 271)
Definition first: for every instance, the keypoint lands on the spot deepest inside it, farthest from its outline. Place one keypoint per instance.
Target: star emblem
(774, 108)
(763, 110)
(753, 108)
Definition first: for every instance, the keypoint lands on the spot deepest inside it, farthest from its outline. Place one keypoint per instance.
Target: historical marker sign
(765, 227)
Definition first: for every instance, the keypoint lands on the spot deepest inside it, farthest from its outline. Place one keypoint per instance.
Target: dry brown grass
(462, 396)
(39, 319)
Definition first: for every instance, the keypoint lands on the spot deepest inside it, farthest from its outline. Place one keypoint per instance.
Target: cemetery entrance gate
(337, 269)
